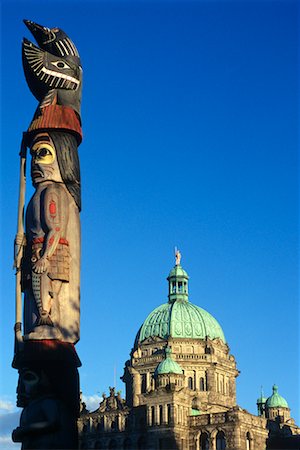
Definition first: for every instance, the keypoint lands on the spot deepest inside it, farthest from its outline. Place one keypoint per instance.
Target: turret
(178, 281)
(276, 407)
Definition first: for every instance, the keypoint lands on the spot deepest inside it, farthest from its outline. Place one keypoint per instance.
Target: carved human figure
(45, 421)
(52, 258)
(177, 257)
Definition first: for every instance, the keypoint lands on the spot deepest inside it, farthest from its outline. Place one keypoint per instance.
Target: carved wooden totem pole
(47, 255)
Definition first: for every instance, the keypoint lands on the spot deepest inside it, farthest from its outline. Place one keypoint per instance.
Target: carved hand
(17, 434)
(41, 265)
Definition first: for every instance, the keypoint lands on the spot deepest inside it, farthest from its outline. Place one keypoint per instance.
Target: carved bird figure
(53, 70)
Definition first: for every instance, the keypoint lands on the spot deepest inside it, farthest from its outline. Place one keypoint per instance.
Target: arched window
(190, 383)
(220, 441)
(248, 441)
(113, 425)
(160, 414)
(127, 444)
(168, 414)
(221, 386)
(202, 384)
(152, 416)
(144, 383)
(204, 442)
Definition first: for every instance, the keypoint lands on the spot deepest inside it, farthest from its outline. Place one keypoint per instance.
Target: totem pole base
(48, 390)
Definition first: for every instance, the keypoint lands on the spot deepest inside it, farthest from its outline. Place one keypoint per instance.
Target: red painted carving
(52, 208)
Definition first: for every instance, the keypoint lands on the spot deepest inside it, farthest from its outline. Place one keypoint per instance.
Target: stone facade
(188, 403)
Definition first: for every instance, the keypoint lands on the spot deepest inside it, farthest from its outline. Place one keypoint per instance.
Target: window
(152, 415)
(160, 414)
(248, 441)
(169, 414)
(221, 385)
(190, 383)
(180, 286)
(204, 442)
(144, 383)
(220, 441)
(202, 384)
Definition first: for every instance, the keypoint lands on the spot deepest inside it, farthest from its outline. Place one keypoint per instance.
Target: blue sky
(190, 120)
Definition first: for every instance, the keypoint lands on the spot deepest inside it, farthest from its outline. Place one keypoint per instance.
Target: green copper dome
(179, 318)
(178, 271)
(262, 399)
(168, 365)
(276, 401)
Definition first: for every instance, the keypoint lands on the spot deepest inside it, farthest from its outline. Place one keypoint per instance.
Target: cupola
(168, 373)
(179, 318)
(168, 365)
(261, 404)
(276, 406)
(178, 281)
(276, 401)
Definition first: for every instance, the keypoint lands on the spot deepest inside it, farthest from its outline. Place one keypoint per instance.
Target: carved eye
(43, 151)
(61, 65)
(30, 377)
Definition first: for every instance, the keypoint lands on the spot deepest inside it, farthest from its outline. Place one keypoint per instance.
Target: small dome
(178, 271)
(276, 401)
(168, 365)
(261, 400)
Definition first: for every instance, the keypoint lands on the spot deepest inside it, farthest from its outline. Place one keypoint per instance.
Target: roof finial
(177, 256)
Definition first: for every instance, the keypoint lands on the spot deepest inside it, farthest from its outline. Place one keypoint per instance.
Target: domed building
(181, 388)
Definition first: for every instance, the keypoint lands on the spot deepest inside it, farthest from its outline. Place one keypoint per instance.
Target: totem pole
(47, 255)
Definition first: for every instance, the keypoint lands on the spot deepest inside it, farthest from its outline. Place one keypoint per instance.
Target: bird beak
(40, 33)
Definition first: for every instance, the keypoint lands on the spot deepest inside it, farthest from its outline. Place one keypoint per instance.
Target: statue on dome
(177, 256)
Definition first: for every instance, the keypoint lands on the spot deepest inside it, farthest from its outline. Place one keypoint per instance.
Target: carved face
(27, 386)
(44, 165)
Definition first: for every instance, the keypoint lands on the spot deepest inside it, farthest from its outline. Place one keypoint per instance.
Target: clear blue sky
(190, 120)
